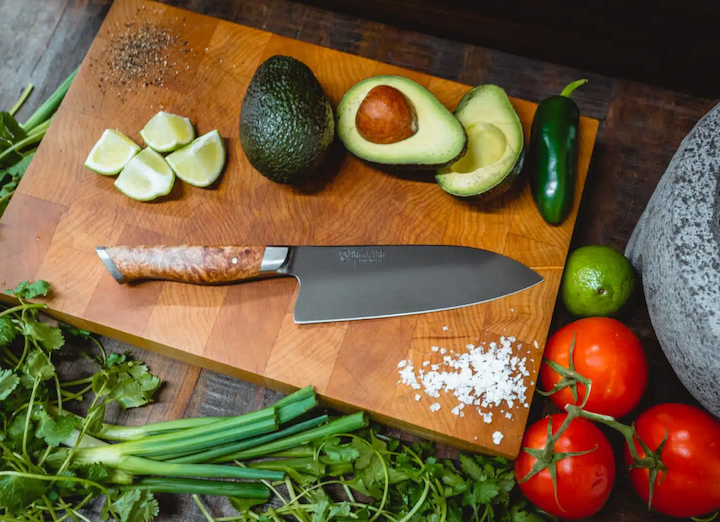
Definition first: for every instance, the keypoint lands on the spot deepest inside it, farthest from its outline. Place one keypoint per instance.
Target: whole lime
(598, 281)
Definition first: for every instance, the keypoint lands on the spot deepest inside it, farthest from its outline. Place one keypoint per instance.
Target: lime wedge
(166, 132)
(146, 177)
(201, 162)
(111, 153)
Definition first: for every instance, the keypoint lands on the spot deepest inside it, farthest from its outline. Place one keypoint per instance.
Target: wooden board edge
(261, 381)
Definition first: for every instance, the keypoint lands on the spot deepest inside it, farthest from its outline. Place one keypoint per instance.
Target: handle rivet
(234, 261)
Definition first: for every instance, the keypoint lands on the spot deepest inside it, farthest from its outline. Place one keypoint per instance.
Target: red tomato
(584, 482)
(690, 486)
(609, 354)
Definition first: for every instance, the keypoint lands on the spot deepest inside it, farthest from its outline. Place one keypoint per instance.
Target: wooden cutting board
(62, 211)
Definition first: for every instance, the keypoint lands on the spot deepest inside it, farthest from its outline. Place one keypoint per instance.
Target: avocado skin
(286, 121)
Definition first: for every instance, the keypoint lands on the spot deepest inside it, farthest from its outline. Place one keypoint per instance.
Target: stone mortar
(676, 249)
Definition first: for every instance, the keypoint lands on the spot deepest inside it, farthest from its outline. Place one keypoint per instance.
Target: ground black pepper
(139, 55)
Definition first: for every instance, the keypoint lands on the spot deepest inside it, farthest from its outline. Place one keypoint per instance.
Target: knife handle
(205, 265)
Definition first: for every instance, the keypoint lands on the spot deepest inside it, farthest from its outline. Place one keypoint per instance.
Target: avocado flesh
(495, 146)
(440, 139)
(286, 121)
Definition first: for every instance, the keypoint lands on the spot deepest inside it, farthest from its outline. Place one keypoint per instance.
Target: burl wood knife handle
(187, 264)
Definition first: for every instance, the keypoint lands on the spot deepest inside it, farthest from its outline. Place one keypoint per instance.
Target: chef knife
(338, 283)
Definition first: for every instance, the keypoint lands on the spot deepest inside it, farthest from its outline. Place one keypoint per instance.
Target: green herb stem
(51, 104)
(203, 509)
(20, 308)
(301, 464)
(201, 487)
(21, 100)
(214, 455)
(341, 425)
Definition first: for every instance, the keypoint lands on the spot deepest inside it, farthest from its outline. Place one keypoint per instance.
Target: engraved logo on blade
(362, 256)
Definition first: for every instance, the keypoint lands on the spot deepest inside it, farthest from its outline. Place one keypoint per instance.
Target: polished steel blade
(349, 283)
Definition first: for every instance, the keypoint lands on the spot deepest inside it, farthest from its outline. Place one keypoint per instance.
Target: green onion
(51, 104)
(202, 487)
(191, 440)
(141, 466)
(216, 453)
(341, 425)
(127, 433)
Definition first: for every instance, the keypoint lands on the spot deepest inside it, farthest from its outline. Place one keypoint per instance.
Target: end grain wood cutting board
(62, 211)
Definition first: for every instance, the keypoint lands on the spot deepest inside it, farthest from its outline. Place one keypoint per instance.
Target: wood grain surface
(204, 265)
(641, 126)
(354, 365)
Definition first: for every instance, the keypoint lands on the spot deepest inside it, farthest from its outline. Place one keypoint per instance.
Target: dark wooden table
(42, 41)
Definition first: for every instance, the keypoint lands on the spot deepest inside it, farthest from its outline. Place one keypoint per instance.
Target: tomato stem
(569, 377)
(651, 461)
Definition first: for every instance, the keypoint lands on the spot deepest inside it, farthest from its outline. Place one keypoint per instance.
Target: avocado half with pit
(394, 121)
(495, 153)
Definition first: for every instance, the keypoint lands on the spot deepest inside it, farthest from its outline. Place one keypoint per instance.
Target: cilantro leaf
(18, 492)
(96, 471)
(10, 133)
(340, 452)
(26, 290)
(341, 509)
(471, 468)
(134, 385)
(320, 509)
(481, 493)
(136, 506)
(38, 366)
(8, 383)
(95, 417)
(17, 171)
(7, 331)
(243, 505)
(75, 332)
(55, 431)
(49, 337)
(455, 484)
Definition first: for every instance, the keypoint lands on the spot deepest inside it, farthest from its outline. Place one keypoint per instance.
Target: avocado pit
(386, 116)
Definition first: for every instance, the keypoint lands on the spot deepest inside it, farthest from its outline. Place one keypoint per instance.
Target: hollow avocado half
(438, 141)
(496, 141)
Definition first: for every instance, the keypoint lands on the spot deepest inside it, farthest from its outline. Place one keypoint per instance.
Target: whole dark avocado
(286, 120)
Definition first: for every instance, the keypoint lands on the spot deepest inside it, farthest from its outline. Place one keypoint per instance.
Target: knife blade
(338, 283)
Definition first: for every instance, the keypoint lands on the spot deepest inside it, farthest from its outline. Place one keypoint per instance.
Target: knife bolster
(274, 259)
(205, 265)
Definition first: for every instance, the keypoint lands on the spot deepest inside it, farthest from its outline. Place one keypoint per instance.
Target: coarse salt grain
(435, 406)
(445, 328)
(443, 351)
(402, 364)
(497, 438)
(434, 348)
(535, 343)
(418, 396)
(487, 376)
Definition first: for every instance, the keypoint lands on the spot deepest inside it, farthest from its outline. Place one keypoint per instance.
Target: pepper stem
(567, 91)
